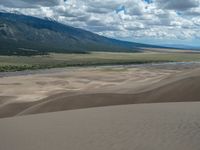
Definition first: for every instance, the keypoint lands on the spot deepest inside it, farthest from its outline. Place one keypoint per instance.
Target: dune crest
(75, 89)
(180, 90)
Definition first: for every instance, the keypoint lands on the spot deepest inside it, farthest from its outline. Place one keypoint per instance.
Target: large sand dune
(185, 87)
(158, 126)
(168, 126)
(95, 87)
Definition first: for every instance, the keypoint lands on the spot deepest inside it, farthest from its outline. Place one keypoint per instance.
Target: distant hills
(183, 46)
(21, 33)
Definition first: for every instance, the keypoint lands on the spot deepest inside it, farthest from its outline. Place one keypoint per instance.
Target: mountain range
(20, 32)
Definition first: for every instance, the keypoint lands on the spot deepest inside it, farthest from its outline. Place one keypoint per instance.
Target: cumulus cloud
(30, 3)
(125, 19)
(178, 4)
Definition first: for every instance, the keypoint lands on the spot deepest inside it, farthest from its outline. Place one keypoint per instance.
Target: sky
(148, 21)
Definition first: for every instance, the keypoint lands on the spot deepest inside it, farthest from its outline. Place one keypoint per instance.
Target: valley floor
(56, 60)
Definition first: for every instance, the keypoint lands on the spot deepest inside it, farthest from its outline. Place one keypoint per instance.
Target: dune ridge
(183, 90)
(178, 87)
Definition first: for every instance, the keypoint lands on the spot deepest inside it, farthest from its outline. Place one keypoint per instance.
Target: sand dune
(95, 87)
(183, 88)
(158, 126)
(174, 126)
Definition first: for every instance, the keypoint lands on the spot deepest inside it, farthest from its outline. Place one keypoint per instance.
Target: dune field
(149, 107)
(74, 88)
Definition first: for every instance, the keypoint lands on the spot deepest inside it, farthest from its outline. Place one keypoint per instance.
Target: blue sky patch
(120, 8)
(149, 1)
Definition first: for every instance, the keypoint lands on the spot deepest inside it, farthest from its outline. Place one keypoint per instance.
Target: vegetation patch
(59, 60)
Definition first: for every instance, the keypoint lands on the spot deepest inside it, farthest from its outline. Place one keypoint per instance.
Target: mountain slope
(19, 32)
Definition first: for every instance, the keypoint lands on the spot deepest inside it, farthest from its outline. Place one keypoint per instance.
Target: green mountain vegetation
(26, 35)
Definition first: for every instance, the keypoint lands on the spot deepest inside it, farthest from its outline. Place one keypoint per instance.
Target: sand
(77, 88)
(148, 107)
(19, 92)
(174, 126)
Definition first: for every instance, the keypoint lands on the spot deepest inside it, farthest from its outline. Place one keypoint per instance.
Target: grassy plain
(54, 60)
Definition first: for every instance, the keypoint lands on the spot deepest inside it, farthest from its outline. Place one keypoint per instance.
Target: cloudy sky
(147, 21)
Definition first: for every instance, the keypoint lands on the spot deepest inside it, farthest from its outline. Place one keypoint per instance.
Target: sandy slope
(169, 126)
(20, 92)
(179, 88)
(94, 87)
